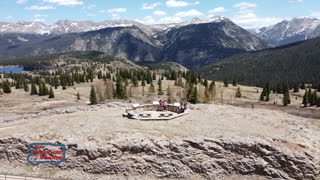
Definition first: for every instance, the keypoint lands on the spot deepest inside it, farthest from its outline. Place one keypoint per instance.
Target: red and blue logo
(46, 153)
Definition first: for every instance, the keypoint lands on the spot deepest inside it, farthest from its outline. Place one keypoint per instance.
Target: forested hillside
(294, 63)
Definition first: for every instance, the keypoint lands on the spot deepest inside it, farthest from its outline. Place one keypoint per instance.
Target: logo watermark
(46, 153)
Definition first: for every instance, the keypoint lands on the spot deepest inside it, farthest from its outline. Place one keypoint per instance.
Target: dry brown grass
(19, 102)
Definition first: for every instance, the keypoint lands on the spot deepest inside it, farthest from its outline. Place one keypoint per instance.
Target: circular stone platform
(154, 112)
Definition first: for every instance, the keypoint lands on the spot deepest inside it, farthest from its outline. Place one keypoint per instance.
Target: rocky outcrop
(289, 31)
(171, 158)
(198, 45)
(64, 110)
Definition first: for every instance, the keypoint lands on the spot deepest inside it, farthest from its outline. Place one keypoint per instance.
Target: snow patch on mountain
(67, 26)
(289, 31)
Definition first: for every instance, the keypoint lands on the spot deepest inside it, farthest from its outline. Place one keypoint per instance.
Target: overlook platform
(154, 112)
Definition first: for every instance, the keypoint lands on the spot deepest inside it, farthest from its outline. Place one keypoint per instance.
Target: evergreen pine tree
(6, 87)
(134, 81)
(169, 94)
(151, 89)
(314, 98)
(226, 82)
(78, 96)
(286, 96)
(160, 87)
(234, 83)
(100, 75)
(303, 86)
(238, 93)
(18, 85)
(51, 94)
(55, 82)
(267, 91)
(121, 91)
(205, 83)
(25, 86)
(212, 90)
(318, 102)
(45, 89)
(34, 90)
(263, 94)
(305, 101)
(194, 96)
(143, 83)
(42, 89)
(286, 99)
(309, 95)
(93, 96)
(206, 95)
(296, 88)
(180, 83)
(154, 76)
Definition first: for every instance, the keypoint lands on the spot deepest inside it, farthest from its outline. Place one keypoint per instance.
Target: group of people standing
(163, 106)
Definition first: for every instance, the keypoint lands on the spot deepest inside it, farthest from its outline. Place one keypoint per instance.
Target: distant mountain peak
(289, 31)
(69, 26)
(211, 19)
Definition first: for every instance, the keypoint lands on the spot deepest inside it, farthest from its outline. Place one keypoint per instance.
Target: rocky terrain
(212, 142)
(137, 42)
(197, 45)
(289, 31)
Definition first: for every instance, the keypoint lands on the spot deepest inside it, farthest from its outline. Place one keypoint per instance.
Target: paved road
(8, 177)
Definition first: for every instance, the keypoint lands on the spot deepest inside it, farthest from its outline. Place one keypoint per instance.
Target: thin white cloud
(190, 13)
(315, 14)
(115, 13)
(245, 5)
(251, 20)
(159, 13)
(116, 16)
(36, 7)
(164, 20)
(91, 6)
(176, 18)
(65, 2)
(218, 10)
(8, 17)
(247, 18)
(174, 3)
(148, 20)
(150, 6)
(21, 1)
(115, 10)
(296, 1)
(170, 19)
(40, 17)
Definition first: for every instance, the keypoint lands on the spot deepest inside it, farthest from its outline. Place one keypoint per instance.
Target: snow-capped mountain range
(289, 31)
(67, 26)
(193, 43)
(285, 32)
(60, 27)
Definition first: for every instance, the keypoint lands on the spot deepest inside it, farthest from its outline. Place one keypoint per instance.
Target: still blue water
(11, 69)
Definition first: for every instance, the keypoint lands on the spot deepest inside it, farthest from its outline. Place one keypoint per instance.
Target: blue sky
(246, 13)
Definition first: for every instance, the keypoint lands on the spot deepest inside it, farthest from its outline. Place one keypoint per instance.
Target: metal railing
(10, 177)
